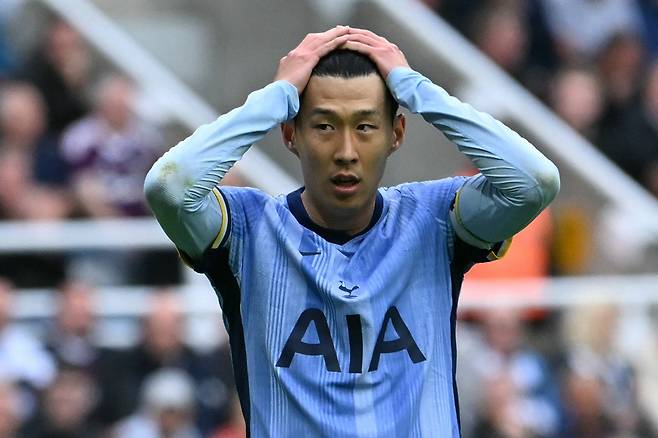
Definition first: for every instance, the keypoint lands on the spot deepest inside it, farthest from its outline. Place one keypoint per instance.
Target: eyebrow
(328, 112)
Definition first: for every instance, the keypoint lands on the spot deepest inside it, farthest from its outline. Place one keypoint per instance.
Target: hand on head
(296, 67)
(383, 53)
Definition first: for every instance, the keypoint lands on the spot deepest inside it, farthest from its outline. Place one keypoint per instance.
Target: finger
(367, 39)
(319, 39)
(357, 31)
(333, 44)
(358, 47)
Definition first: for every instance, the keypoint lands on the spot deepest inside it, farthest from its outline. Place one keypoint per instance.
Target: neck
(349, 221)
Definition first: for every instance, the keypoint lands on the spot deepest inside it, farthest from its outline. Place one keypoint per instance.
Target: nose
(346, 152)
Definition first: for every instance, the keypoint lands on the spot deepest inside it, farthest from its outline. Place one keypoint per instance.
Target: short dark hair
(345, 63)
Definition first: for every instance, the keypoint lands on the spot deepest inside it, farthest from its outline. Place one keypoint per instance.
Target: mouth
(345, 184)
(345, 179)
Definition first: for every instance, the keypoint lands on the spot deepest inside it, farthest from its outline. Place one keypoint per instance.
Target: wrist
(291, 94)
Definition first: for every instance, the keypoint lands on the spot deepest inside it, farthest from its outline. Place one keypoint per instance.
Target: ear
(399, 127)
(288, 136)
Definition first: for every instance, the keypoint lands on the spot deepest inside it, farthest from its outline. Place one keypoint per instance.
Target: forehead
(344, 96)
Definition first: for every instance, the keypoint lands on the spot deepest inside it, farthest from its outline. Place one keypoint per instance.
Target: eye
(366, 127)
(323, 127)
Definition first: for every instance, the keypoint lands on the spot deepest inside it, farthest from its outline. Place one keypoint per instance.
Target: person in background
(70, 339)
(577, 96)
(71, 342)
(23, 359)
(600, 381)
(166, 408)
(10, 409)
(520, 393)
(621, 67)
(502, 35)
(66, 407)
(581, 28)
(585, 400)
(61, 70)
(24, 140)
(162, 346)
(633, 145)
(33, 180)
(109, 153)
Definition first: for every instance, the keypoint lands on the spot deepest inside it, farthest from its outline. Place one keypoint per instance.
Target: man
(340, 297)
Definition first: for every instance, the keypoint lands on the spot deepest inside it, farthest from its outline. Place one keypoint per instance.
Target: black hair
(345, 63)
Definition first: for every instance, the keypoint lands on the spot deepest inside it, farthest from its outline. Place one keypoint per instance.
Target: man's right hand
(297, 65)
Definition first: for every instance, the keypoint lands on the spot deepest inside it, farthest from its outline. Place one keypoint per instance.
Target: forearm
(517, 181)
(178, 186)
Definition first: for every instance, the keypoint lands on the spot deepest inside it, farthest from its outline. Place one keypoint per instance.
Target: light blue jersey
(343, 340)
(333, 335)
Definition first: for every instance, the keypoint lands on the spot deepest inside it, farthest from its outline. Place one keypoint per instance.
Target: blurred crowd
(570, 375)
(73, 145)
(57, 380)
(593, 61)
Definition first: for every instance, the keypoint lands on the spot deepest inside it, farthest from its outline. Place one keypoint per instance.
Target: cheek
(314, 157)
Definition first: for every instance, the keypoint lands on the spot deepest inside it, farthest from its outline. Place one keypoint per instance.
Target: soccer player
(340, 297)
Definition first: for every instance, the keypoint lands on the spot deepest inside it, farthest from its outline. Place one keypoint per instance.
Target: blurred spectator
(21, 199)
(576, 96)
(162, 346)
(633, 145)
(515, 35)
(60, 69)
(602, 374)
(585, 398)
(10, 416)
(110, 152)
(23, 132)
(521, 399)
(22, 358)
(582, 27)
(166, 410)
(500, 404)
(71, 341)
(621, 65)
(502, 35)
(65, 408)
(32, 178)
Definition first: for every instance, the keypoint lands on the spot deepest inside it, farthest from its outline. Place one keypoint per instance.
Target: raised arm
(516, 182)
(181, 186)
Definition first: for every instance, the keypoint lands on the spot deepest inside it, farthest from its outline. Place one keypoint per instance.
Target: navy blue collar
(334, 236)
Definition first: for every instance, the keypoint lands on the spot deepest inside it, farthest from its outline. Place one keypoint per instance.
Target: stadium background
(103, 331)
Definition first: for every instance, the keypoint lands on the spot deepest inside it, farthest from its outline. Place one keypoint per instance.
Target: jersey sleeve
(240, 208)
(441, 197)
(516, 182)
(181, 187)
